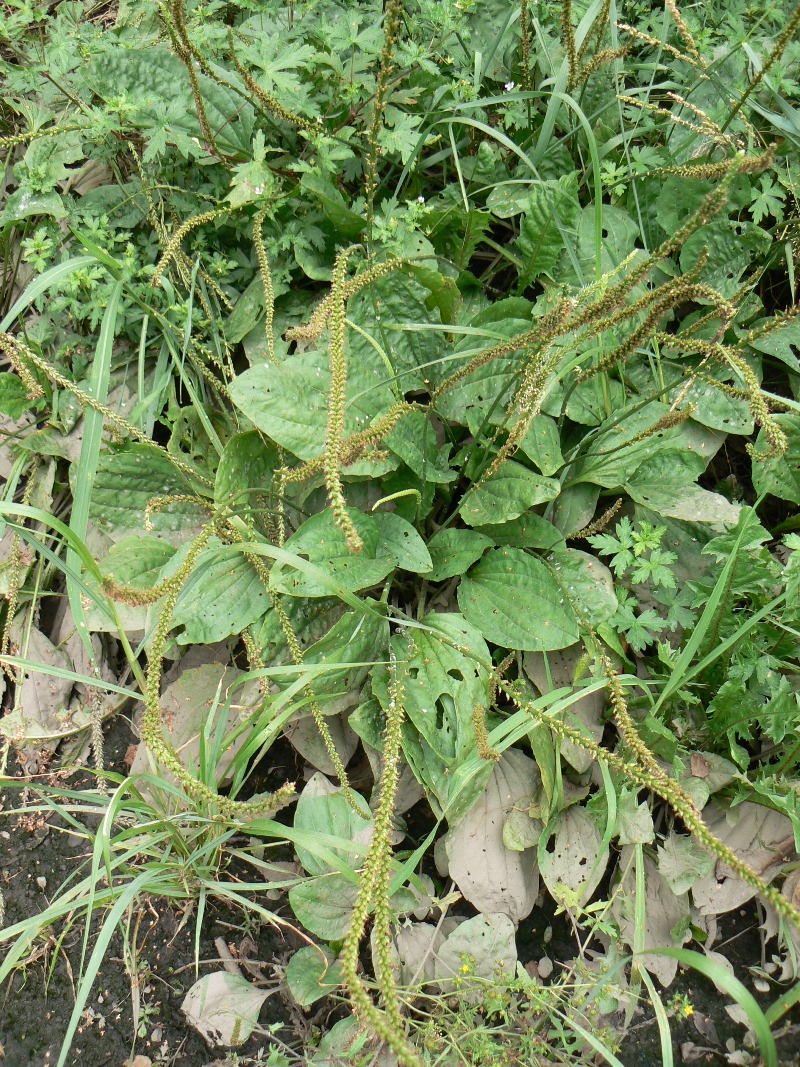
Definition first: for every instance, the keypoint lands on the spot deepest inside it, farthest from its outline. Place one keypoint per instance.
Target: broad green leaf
(323, 808)
(246, 313)
(619, 235)
(441, 688)
(22, 204)
(658, 482)
(730, 248)
(324, 905)
(454, 551)
(312, 973)
(137, 561)
(413, 440)
(353, 639)
(333, 203)
(246, 464)
(590, 403)
(780, 475)
(225, 596)
(401, 542)
(321, 541)
(574, 508)
(552, 209)
(542, 445)
(515, 602)
(13, 396)
(383, 311)
(268, 395)
(506, 494)
(587, 583)
(126, 482)
(528, 531)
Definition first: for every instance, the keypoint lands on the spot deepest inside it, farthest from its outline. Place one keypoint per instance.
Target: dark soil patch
(37, 1002)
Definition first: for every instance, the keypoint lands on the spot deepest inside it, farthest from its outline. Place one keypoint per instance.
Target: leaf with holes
(571, 861)
(515, 602)
(506, 494)
(442, 686)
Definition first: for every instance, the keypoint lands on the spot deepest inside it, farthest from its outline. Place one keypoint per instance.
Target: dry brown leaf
(587, 710)
(663, 910)
(185, 705)
(571, 863)
(761, 837)
(489, 875)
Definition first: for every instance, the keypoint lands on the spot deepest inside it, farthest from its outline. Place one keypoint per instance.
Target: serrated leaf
(13, 396)
(454, 551)
(515, 602)
(506, 494)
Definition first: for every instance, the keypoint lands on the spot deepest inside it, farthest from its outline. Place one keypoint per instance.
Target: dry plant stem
(373, 892)
(685, 33)
(19, 355)
(600, 524)
(266, 281)
(152, 733)
(337, 402)
(391, 27)
(641, 770)
(792, 27)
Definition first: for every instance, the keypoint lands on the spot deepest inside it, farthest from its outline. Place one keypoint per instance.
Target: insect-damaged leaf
(515, 602)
